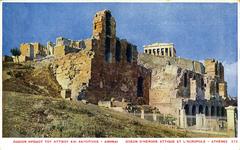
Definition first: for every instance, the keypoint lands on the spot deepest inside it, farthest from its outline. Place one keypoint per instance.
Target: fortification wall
(151, 61)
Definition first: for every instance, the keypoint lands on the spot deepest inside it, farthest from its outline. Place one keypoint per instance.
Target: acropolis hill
(110, 72)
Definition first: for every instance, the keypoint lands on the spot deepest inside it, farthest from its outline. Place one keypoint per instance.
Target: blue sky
(199, 31)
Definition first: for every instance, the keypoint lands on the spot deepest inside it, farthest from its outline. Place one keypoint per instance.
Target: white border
(6, 143)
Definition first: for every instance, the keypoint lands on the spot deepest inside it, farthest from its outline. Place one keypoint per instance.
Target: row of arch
(218, 111)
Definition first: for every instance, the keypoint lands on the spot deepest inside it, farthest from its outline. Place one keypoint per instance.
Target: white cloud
(230, 75)
(201, 61)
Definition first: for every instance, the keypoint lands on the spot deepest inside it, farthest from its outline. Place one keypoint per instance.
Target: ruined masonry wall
(72, 71)
(150, 61)
(168, 79)
(112, 77)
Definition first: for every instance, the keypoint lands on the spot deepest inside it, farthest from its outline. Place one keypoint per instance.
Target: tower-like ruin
(104, 30)
(214, 74)
(114, 67)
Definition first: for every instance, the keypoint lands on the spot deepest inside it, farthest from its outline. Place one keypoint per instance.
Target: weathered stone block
(107, 104)
(20, 58)
(223, 90)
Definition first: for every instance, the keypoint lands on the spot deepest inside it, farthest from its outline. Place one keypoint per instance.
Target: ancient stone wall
(143, 85)
(50, 48)
(20, 59)
(150, 61)
(223, 89)
(63, 50)
(209, 108)
(214, 69)
(73, 71)
(65, 46)
(59, 51)
(113, 79)
(104, 30)
(39, 50)
(221, 72)
(114, 72)
(173, 78)
(214, 80)
(60, 41)
(211, 88)
(33, 50)
(27, 50)
(108, 66)
(178, 80)
(87, 44)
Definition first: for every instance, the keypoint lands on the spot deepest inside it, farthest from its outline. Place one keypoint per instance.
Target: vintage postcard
(148, 73)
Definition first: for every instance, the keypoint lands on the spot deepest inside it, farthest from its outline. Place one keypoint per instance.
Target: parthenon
(160, 49)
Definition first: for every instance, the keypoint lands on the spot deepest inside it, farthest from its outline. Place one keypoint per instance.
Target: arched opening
(200, 109)
(193, 110)
(108, 23)
(218, 111)
(202, 82)
(118, 51)
(206, 111)
(129, 53)
(107, 54)
(217, 87)
(185, 79)
(186, 108)
(194, 77)
(140, 87)
(212, 111)
(193, 118)
(223, 112)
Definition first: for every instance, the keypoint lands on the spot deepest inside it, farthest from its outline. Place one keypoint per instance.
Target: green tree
(16, 52)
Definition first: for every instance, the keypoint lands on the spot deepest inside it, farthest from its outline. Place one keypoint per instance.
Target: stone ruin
(104, 67)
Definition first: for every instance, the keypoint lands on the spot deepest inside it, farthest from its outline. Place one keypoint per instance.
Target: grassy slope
(26, 79)
(26, 115)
